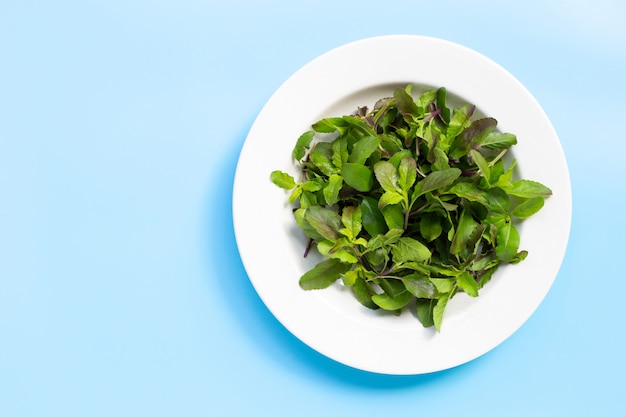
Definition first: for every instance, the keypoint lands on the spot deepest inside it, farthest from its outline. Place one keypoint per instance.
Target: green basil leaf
(363, 293)
(350, 277)
(441, 105)
(312, 185)
(363, 149)
(408, 249)
(439, 310)
(497, 141)
(444, 285)
(295, 194)
(389, 197)
(330, 125)
(528, 189)
(325, 222)
(425, 100)
(482, 164)
(332, 189)
(283, 180)
(399, 156)
(308, 199)
(528, 207)
(521, 255)
(391, 286)
(406, 104)
(344, 255)
(430, 227)
(300, 217)
(371, 217)
(386, 175)
(340, 151)
(360, 125)
(407, 173)
(386, 302)
(351, 219)
(460, 120)
(478, 131)
(424, 310)
(440, 158)
(507, 241)
(498, 200)
(302, 145)
(436, 180)
(394, 216)
(383, 240)
(357, 176)
(323, 275)
(468, 284)
(464, 232)
(419, 286)
(470, 192)
(322, 157)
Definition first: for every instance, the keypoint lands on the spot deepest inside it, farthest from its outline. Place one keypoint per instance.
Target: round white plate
(271, 246)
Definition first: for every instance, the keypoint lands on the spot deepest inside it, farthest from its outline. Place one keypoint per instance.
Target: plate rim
(321, 63)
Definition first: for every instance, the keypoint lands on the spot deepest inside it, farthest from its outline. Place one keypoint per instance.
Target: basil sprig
(409, 203)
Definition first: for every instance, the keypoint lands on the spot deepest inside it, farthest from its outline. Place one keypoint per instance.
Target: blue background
(121, 289)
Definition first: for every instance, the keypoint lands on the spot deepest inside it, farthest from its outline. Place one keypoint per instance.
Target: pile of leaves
(409, 203)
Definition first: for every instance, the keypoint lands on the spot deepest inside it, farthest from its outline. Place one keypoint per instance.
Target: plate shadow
(257, 322)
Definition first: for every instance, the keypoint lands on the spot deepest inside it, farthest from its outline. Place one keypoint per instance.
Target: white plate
(331, 321)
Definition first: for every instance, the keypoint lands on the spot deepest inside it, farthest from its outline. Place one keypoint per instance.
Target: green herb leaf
(436, 180)
(497, 141)
(528, 189)
(325, 222)
(470, 192)
(478, 130)
(460, 120)
(482, 164)
(507, 241)
(420, 286)
(363, 149)
(372, 218)
(407, 173)
(363, 293)
(439, 310)
(468, 284)
(408, 249)
(357, 176)
(528, 207)
(322, 157)
(302, 145)
(387, 176)
(386, 302)
(389, 197)
(283, 180)
(406, 104)
(394, 216)
(332, 189)
(498, 200)
(340, 151)
(330, 125)
(444, 285)
(351, 219)
(424, 310)
(441, 105)
(464, 232)
(430, 227)
(323, 274)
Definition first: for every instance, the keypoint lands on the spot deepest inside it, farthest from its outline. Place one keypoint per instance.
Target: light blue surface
(121, 289)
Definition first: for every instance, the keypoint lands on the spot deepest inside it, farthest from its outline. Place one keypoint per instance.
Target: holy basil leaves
(409, 203)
